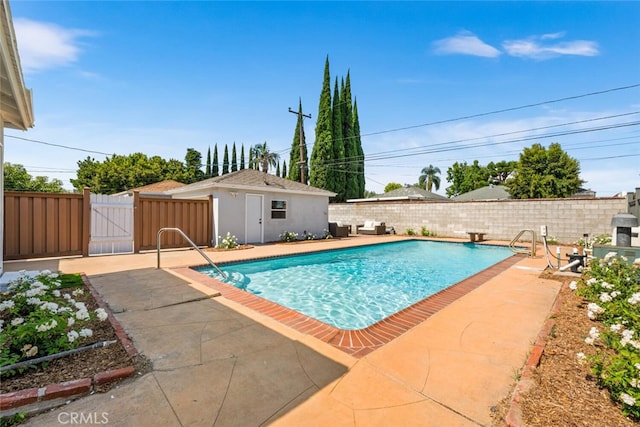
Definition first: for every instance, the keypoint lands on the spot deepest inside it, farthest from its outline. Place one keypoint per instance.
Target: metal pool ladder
(162, 230)
(531, 252)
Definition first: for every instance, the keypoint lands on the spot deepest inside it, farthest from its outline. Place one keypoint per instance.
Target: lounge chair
(338, 230)
(371, 227)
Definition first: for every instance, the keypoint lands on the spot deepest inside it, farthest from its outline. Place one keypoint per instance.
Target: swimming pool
(354, 288)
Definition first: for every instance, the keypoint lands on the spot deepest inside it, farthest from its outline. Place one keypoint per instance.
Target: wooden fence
(41, 225)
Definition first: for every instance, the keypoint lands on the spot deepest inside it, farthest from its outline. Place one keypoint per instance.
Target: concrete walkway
(217, 363)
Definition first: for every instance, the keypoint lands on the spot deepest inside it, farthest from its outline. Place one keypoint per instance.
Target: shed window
(278, 209)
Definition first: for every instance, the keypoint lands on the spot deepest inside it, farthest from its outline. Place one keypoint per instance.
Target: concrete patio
(218, 363)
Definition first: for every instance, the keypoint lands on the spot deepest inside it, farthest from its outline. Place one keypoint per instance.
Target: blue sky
(161, 77)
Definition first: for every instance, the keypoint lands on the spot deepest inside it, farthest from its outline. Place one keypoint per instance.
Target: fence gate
(111, 225)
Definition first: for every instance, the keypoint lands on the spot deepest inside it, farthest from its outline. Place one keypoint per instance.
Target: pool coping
(360, 342)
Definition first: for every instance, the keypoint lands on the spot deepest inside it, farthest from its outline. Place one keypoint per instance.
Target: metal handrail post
(162, 230)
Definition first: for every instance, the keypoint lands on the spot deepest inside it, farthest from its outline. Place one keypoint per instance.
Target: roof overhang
(16, 104)
(250, 188)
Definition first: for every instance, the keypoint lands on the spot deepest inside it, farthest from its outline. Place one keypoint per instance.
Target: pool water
(357, 287)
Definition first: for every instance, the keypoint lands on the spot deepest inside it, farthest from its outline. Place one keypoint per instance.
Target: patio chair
(371, 227)
(338, 230)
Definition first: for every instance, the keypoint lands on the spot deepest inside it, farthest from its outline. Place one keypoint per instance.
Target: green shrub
(426, 232)
(411, 231)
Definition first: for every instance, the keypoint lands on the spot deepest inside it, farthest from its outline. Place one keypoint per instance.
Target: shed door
(253, 218)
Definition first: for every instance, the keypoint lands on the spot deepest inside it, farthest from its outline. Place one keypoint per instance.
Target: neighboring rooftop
(404, 193)
(489, 192)
(155, 188)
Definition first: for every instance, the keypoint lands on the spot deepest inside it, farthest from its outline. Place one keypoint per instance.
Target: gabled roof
(251, 179)
(489, 192)
(160, 187)
(412, 192)
(16, 106)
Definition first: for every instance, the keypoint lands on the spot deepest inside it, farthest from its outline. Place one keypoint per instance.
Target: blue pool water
(356, 287)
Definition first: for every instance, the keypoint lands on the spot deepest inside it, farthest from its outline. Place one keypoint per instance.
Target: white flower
(34, 301)
(51, 306)
(71, 321)
(86, 332)
(46, 326)
(634, 299)
(7, 304)
(78, 292)
(614, 294)
(17, 321)
(593, 310)
(627, 336)
(610, 255)
(636, 261)
(102, 314)
(593, 332)
(637, 365)
(592, 281)
(80, 306)
(615, 328)
(573, 285)
(627, 399)
(634, 382)
(606, 285)
(72, 336)
(56, 293)
(82, 315)
(605, 297)
(589, 340)
(581, 357)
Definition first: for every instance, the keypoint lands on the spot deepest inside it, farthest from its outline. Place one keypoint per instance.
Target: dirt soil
(564, 392)
(80, 365)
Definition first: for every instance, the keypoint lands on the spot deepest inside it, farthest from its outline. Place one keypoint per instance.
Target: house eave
(16, 103)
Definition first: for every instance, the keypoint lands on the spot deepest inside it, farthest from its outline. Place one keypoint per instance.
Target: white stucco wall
(304, 213)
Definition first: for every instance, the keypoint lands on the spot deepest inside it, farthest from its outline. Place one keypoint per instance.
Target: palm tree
(263, 157)
(430, 177)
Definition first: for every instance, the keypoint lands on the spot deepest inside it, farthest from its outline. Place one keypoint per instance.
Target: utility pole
(301, 162)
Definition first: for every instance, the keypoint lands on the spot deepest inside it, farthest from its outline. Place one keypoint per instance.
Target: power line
(504, 110)
(57, 145)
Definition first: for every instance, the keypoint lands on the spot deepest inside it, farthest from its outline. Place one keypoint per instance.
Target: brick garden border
(38, 399)
(526, 382)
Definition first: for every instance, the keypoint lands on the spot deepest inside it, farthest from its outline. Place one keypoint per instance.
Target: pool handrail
(162, 230)
(518, 250)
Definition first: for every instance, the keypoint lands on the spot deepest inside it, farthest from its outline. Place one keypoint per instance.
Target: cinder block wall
(566, 219)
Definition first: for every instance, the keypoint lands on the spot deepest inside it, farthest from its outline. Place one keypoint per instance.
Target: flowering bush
(42, 315)
(326, 234)
(229, 242)
(411, 231)
(612, 288)
(289, 236)
(602, 239)
(308, 236)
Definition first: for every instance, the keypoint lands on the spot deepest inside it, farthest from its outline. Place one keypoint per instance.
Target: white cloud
(535, 47)
(465, 43)
(43, 45)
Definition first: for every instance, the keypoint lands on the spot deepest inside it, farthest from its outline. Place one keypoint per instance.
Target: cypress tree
(322, 152)
(214, 167)
(207, 170)
(225, 160)
(251, 165)
(294, 155)
(337, 166)
(278, 169)
(284, 168)
(234, 159)
(350, 149)
(358, 141)
(242, 157)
